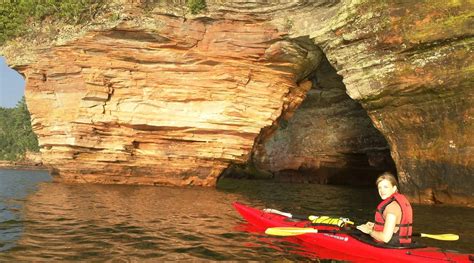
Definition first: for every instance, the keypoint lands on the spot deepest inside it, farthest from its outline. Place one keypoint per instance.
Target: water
(41, 220)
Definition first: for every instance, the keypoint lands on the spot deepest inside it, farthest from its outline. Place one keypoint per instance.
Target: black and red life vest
(405, 227)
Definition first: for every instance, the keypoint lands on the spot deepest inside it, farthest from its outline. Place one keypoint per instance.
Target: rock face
(410, 65)
(164, 99)
(169, 102)
(329, 139)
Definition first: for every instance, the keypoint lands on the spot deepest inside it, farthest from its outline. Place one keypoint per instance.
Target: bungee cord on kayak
(315, 220)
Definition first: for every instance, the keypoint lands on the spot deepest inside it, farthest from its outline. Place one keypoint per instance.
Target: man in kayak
(394, 215)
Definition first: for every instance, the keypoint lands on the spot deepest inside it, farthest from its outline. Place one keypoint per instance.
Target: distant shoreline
(19, 165)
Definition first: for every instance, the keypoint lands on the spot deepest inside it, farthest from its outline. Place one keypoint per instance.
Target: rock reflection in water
(70, 222)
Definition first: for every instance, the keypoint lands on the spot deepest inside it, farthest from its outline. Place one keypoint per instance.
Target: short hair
(389, 177)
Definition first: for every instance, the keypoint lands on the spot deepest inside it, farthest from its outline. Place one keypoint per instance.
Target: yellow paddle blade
(289, 231)
(445, 237)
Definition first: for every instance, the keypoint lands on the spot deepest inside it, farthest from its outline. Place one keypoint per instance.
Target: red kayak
(348, 246)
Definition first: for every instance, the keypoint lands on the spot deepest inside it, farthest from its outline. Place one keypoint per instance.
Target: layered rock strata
(170, 103)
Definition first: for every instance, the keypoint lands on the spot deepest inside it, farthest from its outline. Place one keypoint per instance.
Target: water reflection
(15, 186)
(80, 221)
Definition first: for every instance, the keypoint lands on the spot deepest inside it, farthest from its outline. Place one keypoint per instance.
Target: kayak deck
(347, 245)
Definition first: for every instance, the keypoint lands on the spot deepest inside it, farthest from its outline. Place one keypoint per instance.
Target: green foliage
(16, 15)
(16, 135)
(196, 6)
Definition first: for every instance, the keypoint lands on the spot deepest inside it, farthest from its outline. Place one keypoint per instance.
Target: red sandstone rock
(173, 105)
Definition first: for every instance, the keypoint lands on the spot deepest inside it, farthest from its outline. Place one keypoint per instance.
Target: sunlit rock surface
(163, 99)
(169, 103)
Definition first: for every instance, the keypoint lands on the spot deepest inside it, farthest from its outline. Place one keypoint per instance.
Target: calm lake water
(45, 221)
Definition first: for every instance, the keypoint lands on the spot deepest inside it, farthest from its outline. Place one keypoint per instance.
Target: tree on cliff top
(16, 135)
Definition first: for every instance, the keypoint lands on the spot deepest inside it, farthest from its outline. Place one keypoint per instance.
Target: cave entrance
(330, 139)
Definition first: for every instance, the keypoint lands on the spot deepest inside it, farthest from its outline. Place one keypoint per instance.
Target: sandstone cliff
(163, 96)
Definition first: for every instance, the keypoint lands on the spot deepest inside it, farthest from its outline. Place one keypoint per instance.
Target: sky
(12, 85)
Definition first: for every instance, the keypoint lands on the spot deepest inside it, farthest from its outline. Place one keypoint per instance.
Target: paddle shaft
(444, 237)
(356, 231)
(295, 231)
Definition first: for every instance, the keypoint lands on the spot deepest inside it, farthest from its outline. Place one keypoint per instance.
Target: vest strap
(404, 225)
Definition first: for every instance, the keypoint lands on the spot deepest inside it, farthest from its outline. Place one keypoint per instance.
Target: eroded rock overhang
(162, 100)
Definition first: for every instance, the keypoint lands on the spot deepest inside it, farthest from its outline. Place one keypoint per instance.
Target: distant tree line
(16, 135)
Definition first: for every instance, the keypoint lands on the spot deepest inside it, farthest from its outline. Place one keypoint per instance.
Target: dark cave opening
(329, 139)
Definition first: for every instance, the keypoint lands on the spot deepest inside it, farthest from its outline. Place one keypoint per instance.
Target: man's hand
(366, 228)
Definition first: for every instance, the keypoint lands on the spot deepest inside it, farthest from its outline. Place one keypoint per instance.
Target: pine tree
(16, 135)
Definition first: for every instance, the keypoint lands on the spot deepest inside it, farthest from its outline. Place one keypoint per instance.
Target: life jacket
(403, 235)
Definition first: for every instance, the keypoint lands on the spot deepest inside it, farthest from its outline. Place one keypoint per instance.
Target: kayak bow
(346, 244)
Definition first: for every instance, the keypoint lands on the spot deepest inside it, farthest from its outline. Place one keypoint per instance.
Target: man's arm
(388, 227)
(392, 213)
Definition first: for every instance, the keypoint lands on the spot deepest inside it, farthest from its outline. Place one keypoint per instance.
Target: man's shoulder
(394, 208)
